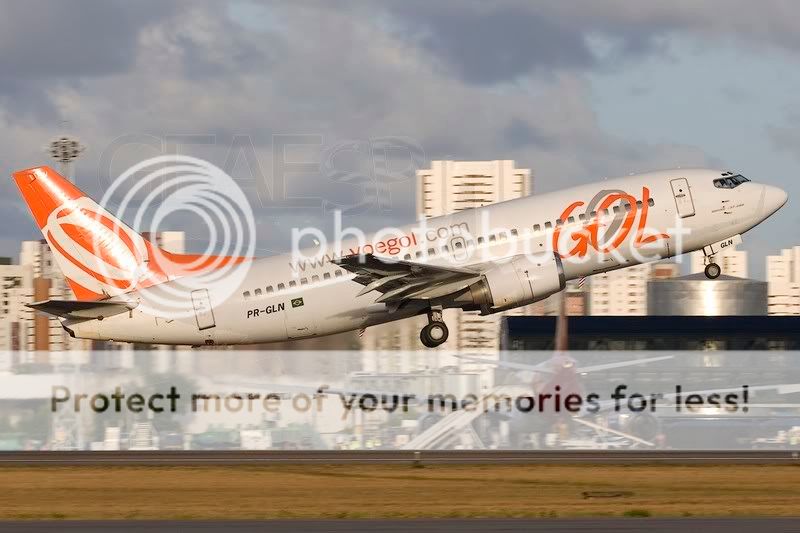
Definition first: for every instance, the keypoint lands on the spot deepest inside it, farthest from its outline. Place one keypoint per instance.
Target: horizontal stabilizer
(82, 310)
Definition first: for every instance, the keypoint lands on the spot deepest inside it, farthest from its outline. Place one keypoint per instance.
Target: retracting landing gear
(435, 332)
(712, 270)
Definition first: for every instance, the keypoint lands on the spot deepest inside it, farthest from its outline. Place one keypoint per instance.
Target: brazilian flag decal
(297, 302)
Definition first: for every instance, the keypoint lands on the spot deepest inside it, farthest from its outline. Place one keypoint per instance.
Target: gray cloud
(487, 43)
(45, 39)
(353, 73)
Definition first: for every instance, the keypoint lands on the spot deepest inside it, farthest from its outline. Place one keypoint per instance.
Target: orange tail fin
(99, 255)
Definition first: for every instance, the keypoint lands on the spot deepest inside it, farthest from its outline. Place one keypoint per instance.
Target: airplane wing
(405, 280)
(82, 310)
(543, 366)
(620, 364)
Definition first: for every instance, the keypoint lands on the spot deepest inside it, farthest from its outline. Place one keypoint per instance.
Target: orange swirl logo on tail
(94, 250)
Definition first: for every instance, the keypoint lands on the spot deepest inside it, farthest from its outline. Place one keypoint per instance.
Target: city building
(37, 339)
(624, 292)
(620, 292)
(445, 188)
(783, 282)
(451, 186)
(573, 296)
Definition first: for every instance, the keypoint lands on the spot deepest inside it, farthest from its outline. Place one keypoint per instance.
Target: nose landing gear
(713, 271)
(435, 332)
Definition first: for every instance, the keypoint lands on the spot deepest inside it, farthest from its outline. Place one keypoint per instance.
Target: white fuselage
(260, 309)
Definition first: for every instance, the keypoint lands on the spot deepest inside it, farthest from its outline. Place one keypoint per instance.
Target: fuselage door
(683, 197)
(202, 309)
(299, 322)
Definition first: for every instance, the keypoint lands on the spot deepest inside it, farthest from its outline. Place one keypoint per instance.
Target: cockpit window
(730, 182)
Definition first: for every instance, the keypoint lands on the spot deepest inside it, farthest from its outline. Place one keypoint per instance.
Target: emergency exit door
(683, 197)
(202, 309)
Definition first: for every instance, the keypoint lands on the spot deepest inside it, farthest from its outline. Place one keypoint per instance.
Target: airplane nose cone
(774, 199)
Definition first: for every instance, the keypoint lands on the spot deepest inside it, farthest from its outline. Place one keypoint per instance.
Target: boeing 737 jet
(487, 259)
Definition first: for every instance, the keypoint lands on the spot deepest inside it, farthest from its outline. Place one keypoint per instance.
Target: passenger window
(246, 295)
(514, 232)
(480, 240)
(304, 281)
(458, 244)
(314, 279)
(559, 222)
(548, 225)
(338, 273)
(571, 220)
(431, 251)
(582, 217)
(293, 283)
(407, 257)
(258, 292)
(281, 286)
(605, 212)
(502, 236)
(269, 289)
(627, 206)
(651, 202)
(537, 227)
(418, 254)
(639, 203)
(492, 238)
(326, 275)
(616, 209)
(593, 214)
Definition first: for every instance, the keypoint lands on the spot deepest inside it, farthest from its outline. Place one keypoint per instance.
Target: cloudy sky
(574, 90)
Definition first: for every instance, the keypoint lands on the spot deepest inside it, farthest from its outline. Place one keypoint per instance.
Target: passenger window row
(499, 237)
(338, 273)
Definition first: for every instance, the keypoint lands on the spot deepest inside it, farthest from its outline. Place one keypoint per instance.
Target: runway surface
(240, 457)
(651, 525)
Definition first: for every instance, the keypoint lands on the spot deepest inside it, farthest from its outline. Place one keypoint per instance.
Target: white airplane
(489, 259)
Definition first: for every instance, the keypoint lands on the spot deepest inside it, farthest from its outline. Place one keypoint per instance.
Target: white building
(732, 261)
(34, 336)
(445, 188)
(624, 292)
(783, 282)
(621, 292)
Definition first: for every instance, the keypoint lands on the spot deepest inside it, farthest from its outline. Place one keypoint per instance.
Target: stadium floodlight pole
(65, 150)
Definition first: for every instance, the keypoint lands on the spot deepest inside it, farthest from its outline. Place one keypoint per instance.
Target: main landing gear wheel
(713, 271)
(435, 333)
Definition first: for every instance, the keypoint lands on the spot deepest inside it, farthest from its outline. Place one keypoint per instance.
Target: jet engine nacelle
(522, 280)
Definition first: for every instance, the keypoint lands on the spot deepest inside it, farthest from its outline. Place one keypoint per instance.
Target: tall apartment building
(783, 282)
(624, 292)
(34, 337)
(38, 339)
(445, 188)
(732, 261)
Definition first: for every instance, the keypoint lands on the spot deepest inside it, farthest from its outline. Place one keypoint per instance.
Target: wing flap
(405, 280)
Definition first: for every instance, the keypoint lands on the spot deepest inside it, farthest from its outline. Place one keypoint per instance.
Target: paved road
(603, 525)
(237, 457)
